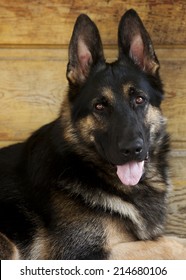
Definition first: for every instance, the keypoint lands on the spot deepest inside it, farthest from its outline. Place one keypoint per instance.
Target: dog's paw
(180, 240)
(176, 247)
(164, 248)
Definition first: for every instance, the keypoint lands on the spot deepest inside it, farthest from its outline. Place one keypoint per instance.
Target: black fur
(57, 188)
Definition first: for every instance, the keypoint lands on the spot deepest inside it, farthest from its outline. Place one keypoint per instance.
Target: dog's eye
(99, 107)
(139, 100)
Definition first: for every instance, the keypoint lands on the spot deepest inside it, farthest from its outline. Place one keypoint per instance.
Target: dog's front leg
(165, 248)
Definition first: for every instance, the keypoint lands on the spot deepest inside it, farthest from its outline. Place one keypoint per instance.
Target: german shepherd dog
(93, 183)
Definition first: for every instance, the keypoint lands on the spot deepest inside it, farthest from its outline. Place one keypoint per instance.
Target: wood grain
(51, 21)
(34, 36)
(176, 218)
(33, 81)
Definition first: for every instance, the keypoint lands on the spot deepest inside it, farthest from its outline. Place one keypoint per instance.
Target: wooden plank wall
(34, 36)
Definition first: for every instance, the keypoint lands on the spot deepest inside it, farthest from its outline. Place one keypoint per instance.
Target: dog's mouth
(131, 172)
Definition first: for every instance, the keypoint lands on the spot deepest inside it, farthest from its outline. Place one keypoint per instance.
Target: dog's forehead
(111, 93)
(111, 84)
(116, 75)
(119, 78)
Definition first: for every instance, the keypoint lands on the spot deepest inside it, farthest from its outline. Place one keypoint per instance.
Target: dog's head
(114, 107)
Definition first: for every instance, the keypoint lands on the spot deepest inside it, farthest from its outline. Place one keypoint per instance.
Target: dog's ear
(134, 41)
(85, 50)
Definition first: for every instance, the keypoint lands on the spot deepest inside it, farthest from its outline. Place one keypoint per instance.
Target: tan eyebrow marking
(108, 94)
(126, 89)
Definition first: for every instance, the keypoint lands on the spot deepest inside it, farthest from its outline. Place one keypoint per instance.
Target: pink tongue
(130, 173)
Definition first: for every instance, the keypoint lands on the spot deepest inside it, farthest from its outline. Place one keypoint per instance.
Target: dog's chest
(79, 232)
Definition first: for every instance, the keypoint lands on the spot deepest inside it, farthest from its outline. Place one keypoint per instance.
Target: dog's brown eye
(99, 106)
(139, 100)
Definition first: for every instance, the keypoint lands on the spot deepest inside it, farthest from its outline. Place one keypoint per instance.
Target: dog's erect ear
(85, 50)
(134, 41)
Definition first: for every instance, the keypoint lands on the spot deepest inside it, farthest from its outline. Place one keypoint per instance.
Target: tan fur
(8, 251)
(122, 245)
(72, 75)
(86, 211)
(126, 89)
(108, 94)
(115, 232)
(165, 248)
(155, 120)
(153, 66)
(89, 124)
(41, 246)
(69, 131)
(86, 127)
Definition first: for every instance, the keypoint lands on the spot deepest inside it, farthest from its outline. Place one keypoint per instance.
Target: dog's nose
(133, 148)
